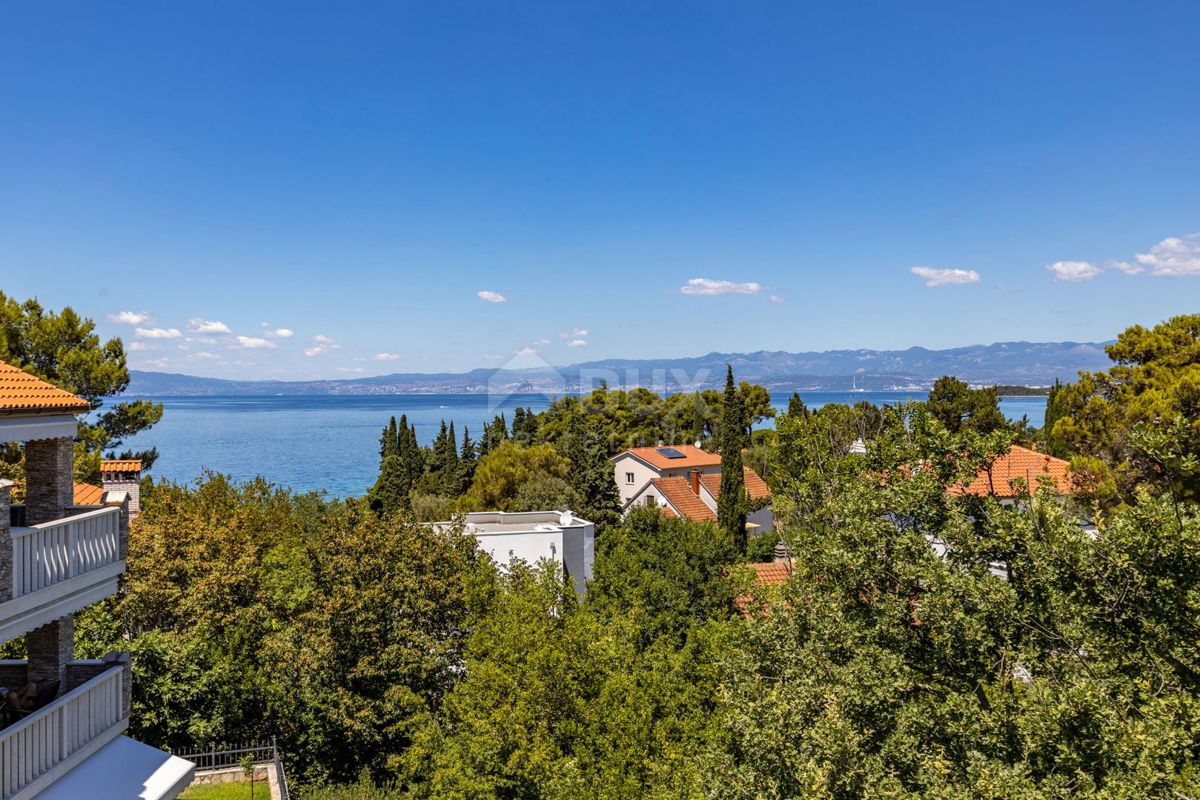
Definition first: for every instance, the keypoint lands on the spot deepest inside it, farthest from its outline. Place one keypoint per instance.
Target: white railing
(52, 552)
(50, 736)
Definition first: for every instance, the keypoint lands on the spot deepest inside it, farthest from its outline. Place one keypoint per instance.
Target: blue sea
(331, 443)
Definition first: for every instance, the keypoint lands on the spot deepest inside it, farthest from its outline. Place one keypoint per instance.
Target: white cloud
(282, 333)
(491, 297)
(384, 357)
(207, 355)
(197, 325)
(709, 288)
(157, 333)
(577, 343)
(254, 342)
(323, 339)
(131, 317)
(1173, 257)
(541, 341)
(935, 276)
(1073, 271)
(350, 369)
(575, 334)
(777, 299)
(137, 347)
(1126, 267)
(525, 351)
(321, 349)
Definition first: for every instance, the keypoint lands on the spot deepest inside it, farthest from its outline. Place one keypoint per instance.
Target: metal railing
(53, 552)
(50, 736)
(228, 756)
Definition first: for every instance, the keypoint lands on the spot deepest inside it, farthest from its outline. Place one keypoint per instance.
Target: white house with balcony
(63, 718)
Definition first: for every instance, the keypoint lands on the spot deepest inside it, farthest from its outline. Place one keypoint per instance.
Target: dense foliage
(926, 644)
(63, 348)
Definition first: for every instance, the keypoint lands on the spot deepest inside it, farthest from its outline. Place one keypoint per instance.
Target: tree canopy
(63, 348)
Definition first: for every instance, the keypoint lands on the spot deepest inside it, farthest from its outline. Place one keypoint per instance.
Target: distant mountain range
(1015, 363)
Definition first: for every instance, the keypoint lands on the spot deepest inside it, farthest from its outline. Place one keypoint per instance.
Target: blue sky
(634, 179)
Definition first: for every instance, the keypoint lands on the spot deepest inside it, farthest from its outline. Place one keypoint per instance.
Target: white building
(558, 536)
(63, 718)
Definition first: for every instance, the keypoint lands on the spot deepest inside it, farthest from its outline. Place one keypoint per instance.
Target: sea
(330, 443)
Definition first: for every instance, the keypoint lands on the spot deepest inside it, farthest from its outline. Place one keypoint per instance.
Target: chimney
(783, 555)
(123, 476)
(695, 480)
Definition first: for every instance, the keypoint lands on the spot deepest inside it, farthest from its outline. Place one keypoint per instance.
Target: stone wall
(50, 647)
(49, 479)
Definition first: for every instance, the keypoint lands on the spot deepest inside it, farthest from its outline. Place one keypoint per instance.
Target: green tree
(590, 474)
(63, 348)
(500, 474)
(1154, 382)
(959, 407)
(732, 502)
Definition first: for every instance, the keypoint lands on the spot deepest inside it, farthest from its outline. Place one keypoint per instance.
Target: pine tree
(731, 504)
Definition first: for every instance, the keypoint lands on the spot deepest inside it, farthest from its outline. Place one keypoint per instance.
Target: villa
(63, 718)
(685, 481)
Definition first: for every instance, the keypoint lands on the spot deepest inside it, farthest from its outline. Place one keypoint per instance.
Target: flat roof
(486, 522)
(123, 769)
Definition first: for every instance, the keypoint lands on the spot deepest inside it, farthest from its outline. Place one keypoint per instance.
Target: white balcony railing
(56, 551)
(38, 749)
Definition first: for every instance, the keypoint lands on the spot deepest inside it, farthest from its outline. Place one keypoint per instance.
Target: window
(650, 501)
(629, 477)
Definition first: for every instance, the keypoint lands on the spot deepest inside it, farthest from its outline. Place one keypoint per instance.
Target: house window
(650, 501)
(629, 477)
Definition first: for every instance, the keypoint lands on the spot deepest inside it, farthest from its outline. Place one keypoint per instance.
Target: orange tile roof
(772, 573)
(678, 492)
(756, 487)
(692, 457)
(1018, 463)
(20, 391)
(122, 465)
(88, 495)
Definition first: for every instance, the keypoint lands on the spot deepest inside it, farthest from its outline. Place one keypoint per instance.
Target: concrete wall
(530, 546)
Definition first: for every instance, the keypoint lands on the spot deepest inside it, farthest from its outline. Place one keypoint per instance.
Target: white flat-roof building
(558, 536)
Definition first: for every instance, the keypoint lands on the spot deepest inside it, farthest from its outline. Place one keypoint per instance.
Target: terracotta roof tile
(692, 457)
(772, 573)
(88, 495)
(756, 487)
(1018, 463)
(122, 465)
(678, 492)
(20, 391)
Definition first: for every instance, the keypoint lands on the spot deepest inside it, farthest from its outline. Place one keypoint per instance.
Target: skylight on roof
(668, 452)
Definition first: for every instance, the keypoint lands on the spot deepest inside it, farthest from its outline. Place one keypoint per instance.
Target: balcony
(44, 746)
(57, 568)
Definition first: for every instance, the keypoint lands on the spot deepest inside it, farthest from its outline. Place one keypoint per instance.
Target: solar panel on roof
(668, 452)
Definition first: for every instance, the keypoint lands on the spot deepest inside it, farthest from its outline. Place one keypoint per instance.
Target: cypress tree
(731, 504)
(466, 462)
(796, 407)
(389, 494)
(590, 473)
(387, 441)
